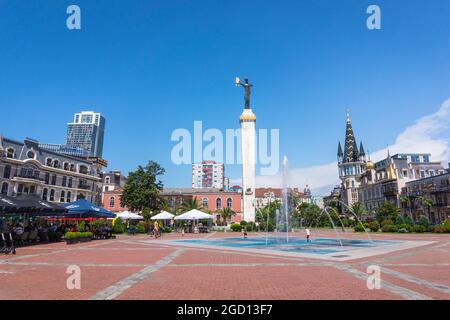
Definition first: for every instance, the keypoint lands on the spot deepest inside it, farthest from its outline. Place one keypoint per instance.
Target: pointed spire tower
(351, 149)
(351, 165)
(340, 154)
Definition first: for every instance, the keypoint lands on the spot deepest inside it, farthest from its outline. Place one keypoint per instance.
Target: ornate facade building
(351, 164)
(384, 180)
(26, 168)
(435, 187)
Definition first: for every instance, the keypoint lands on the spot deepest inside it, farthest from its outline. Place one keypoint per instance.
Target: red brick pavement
(39, 271)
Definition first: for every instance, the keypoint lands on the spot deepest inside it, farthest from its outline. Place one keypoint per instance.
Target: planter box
(71, 241)
(85, 239)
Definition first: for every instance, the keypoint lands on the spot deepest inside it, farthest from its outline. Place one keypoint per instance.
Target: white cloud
(428, 134)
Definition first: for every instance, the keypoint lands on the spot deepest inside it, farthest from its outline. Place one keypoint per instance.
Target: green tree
(387, 210)
(142, 189)
(225, 214)
(358, 209)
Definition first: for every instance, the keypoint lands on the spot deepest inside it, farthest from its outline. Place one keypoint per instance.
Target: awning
(30, 204)
(194, 214)
(164, 215)
(126, 215)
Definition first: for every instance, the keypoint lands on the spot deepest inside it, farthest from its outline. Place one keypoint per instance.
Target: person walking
(308, 235)
(156, 229)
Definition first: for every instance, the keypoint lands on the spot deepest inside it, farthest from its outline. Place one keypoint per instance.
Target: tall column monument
(248, 120)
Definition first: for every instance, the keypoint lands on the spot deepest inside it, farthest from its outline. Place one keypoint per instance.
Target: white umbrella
(164, 215)
(194, 214)
(126, 215)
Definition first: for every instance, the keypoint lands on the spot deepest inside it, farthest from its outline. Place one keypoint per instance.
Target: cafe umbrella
(84, 209)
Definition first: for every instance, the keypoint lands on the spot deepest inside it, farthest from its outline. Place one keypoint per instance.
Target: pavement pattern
(139, 267)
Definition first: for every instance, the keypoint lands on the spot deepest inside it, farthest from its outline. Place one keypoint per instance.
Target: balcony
(27, 177)
(84, 187)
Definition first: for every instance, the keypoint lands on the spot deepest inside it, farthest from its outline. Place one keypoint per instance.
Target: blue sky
(153, 66)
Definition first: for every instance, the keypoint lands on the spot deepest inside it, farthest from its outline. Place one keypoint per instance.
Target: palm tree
(191, 204)
(426, 202)
(406, 200)
(225, 214)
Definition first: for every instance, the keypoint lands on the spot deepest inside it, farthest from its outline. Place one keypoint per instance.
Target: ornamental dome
(370, 165)
(247, 115)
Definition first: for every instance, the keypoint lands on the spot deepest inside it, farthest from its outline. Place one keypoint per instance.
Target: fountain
(282, 216)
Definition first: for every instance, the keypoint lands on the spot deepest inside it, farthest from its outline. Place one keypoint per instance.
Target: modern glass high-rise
(87, 132)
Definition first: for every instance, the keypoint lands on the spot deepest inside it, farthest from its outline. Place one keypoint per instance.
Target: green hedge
(236, 227)
(374, 226)
(78, 235)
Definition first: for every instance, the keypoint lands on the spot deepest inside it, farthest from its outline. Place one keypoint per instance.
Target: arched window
(56, 164)
(229, 203)
(81, 196)
(112, 201)
(107, 179)
(52, 195)
(44, 194)
(48, 162)
(31, 155)
(69, 196)
(5, 188)
(218, 203)
(72, 167)
(66, 166)
(7, 172)
(205, 202)
(10, 153)
(62, 196)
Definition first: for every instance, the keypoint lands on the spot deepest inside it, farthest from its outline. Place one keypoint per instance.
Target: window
(111, 202)
(56, 164)
(47, 178)
(83, 169)
(30, 154)
(10, 153)
(72, 167)
(229, 203)
(218, 203)
(62, 196)
(7, 172)
(205, 202)
(70, 183)
(53, 180)
(48, 162)
(66, 166)
(422, 174)
(52, 195)
(69, 196)
(81, 196)
(44, 194)
(107, 179)
(426, 158)
(5, 188)
(64, 181)
(32, 190)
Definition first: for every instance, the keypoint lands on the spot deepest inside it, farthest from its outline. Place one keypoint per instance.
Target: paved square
(139, 267)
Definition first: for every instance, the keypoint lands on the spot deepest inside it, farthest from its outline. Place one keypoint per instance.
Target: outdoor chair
(33, 236)
(24, 237)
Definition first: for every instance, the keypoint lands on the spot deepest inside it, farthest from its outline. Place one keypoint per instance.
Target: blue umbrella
(84, 208)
